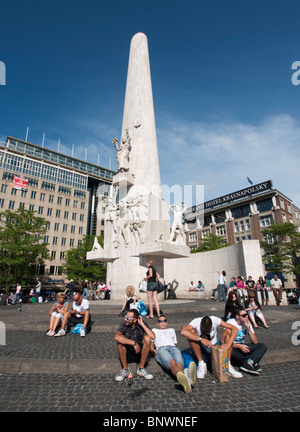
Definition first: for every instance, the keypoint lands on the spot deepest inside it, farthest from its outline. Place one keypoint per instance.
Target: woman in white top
(130, 299)
(57, 312)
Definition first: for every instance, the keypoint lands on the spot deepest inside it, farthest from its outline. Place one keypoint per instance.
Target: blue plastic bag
(77, 329)
(188, 357)
(142, 308)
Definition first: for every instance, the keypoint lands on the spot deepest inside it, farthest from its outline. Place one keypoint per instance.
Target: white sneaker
(184, 381)
(82, 333)
(234, 373)
(193, 373)
(61, 332)
(143, 373)
(122, 375)
(201, 370)
(50, 333)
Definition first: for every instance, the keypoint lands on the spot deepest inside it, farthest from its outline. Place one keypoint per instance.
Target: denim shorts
(151, 286)
(167, 353)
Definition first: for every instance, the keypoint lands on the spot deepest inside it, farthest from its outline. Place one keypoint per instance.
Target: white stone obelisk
(139, 119)
(137, 225)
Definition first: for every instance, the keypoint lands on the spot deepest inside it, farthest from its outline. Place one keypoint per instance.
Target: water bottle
(130, 379)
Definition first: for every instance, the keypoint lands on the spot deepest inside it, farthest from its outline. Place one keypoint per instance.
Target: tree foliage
(21, 248)
(211, 242)
(282, 246)
(78, 268)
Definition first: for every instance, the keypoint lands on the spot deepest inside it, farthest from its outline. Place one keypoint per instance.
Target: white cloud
(221, 154)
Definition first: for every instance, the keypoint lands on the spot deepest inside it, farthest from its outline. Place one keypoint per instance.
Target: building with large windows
(240, 215)
(69, 193)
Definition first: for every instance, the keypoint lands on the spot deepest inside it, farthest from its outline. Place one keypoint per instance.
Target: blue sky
(224, 102)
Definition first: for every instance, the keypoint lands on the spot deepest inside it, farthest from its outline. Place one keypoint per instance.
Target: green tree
(211, 242)
(282, 246)
(78, 268)
(21, 248)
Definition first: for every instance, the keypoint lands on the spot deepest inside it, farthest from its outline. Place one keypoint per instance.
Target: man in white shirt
(79, 314)
(202, 335)
(247, 355)
(168, 355)
(276, 287)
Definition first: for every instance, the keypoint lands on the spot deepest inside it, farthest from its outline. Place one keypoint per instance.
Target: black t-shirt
(153, 277)
(136, 333)
(250, 284)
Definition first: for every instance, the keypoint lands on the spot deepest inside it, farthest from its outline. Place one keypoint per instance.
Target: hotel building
(69, 193)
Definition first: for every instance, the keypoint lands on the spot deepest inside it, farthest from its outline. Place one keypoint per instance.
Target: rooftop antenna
(58, 144)
(85, 155)
(43, 139)
(72, 150)
(27, 134)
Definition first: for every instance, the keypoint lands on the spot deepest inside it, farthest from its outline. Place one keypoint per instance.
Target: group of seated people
(199, 287)
(136, 340)
(61, 315)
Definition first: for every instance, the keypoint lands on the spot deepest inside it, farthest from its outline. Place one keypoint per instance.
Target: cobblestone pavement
(89, 389)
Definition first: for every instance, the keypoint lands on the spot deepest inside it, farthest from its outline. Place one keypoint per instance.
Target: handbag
(160, 286)
(143, 286)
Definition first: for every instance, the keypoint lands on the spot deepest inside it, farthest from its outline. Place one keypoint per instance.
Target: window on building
(53, 254)
(207, 220)
(54, 241)
(42, 197)
(40, 211)
(72, 229)
(65, 227)
(13, 191)
(266, 221)
(63, 241)
(11, 205)
(56, 226)
(81, 217)
(59, 200)
(3, 188)
(62, 256)
(75, 204)
(264, 205)
(49, 212)
(67, 202)
(82, 205)
(80, 230)
(71, 242)
(192, 237)
(66, 214)
(241, 211)
(220, 230)
(205, 233)
(220, 217)
(23, 193)
(46, 239)
(57, 213)
(1, 202)
(33, 194)
(51, 197)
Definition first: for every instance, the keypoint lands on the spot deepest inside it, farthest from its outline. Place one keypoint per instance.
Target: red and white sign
(20, 183)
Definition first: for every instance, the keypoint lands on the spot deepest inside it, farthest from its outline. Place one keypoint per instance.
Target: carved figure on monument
(137, 217)
(177, 226)
(123, 222)
(113, 217)
(122, 154)
(96, 245)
